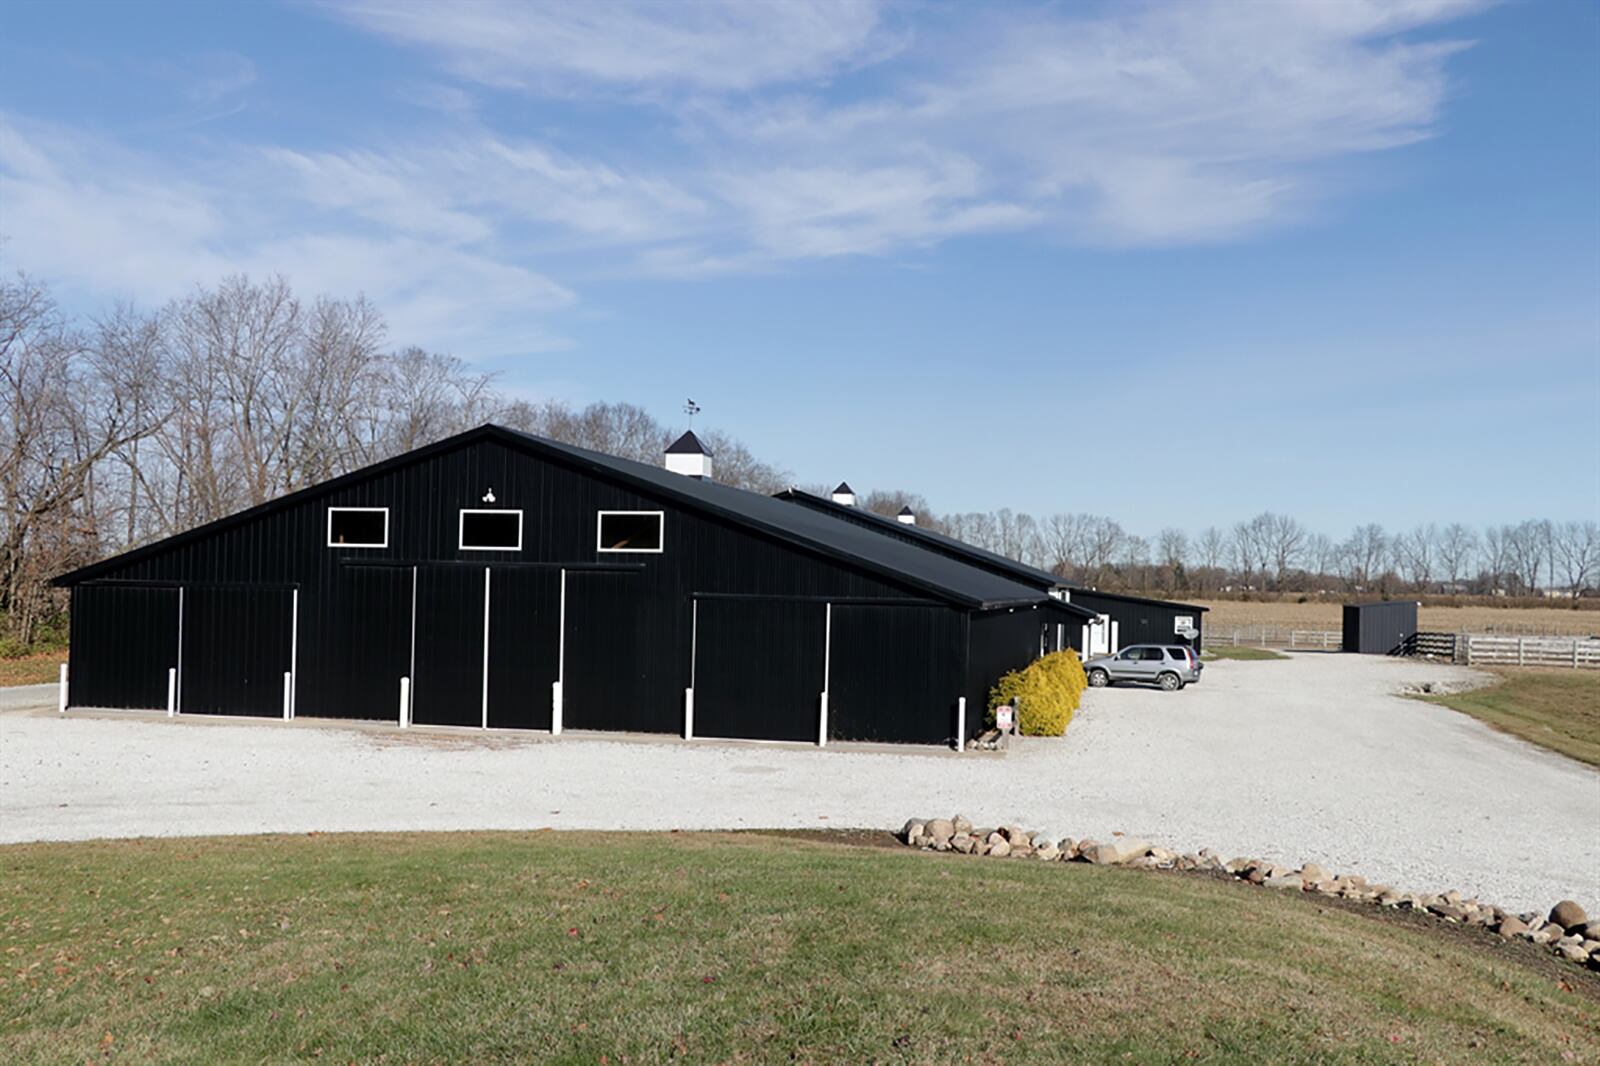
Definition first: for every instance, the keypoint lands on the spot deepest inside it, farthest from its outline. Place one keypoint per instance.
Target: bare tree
(1414, 555)
(1458, 545)
(1577, 546)
(1365, 553)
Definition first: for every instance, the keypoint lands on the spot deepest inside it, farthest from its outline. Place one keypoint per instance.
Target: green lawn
(1244, 653)
(596, 948)
(1554, 708)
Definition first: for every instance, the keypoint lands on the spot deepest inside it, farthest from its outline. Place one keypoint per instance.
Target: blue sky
(1176, 264)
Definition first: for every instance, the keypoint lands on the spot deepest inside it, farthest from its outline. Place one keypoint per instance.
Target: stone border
(1567, 930)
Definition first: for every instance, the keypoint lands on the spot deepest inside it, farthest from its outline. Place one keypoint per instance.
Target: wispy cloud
(741, 137)
(552, 47)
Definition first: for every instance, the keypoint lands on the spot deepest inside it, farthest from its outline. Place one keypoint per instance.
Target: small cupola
(907, 516)
(844, 495)
(689, 457)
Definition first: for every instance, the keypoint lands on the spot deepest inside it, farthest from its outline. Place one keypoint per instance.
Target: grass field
(603, 948)
(1329, 616)
(34, 669)
(1225, 651)
(1556, 709)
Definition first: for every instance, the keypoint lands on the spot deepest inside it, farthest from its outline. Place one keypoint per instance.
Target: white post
(688, 714)
(288, 695)
(961, 723)
(555, 708)
(172, 691)
(827, 672)
(1519, 650)
(61, 690)
(405, 702)
(486, 647)
(1574, 663)
(294, 649)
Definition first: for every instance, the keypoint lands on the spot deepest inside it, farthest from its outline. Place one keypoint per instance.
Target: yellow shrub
(1047, 691)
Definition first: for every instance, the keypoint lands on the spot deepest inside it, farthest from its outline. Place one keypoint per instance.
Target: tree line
(133, 424)
(1277, 553)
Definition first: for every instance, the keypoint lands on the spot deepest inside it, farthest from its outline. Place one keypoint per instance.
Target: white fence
(1476, 650)
(1273, 637)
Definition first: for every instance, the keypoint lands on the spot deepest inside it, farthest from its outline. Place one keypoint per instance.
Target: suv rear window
(1180, 654)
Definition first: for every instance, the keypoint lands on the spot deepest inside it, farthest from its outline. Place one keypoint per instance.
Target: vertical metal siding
(1142, 623)
(759, 669)
(1385, 628)
(998, 642)
(124, 640)
(896, 673)
(627, 633)
(235, 649)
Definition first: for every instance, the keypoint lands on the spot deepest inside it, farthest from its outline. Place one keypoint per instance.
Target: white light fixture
(488, 497)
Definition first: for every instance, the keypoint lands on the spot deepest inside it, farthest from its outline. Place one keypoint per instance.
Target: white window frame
(661, 527)
(461, 529)
(371, 510)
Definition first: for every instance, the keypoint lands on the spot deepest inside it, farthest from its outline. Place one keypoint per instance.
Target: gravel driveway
(1313, 759)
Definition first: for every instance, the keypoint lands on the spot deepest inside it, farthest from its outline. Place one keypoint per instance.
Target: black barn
(1108, 620)
(514, 582)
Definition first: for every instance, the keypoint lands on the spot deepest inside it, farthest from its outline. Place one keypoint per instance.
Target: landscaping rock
(1049, 853)
(998, 847)
(940, 830)
(1572, 952)
(1238, 865)
(1568, 915)
(1015, 835)
(961, 824)
(1288, 880)
(1118, 851)
(1311, 873)
(912, 830)
(1510, 926)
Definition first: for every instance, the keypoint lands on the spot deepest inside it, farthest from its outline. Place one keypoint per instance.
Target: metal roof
(932, 572)
(1028, 575)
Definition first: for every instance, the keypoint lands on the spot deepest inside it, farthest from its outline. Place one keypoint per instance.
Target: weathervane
(691, 409)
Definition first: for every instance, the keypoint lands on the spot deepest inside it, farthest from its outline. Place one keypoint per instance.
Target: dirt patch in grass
(40, 668)
(1244, 654)
(1553, 708)
(724, 947)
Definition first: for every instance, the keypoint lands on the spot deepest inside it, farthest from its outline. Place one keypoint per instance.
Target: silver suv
(1171, 666)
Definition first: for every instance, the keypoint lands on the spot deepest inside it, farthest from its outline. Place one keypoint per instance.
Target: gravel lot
(1315, 759)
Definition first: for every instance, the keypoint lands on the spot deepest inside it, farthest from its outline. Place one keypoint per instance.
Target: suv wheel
(1099, 678)
(1170, 682)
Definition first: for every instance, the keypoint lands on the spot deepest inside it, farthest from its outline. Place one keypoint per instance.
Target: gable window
(358, 527)
(629, 531)
(486, 531)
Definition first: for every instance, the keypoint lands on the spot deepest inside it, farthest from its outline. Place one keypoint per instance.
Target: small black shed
(1384, 628)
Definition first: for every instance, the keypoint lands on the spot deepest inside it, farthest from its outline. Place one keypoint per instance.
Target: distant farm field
(1441, 619)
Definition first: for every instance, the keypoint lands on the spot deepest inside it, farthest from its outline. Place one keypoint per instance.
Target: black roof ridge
(689, 491)
(1031, 573)
(955, 544)
(1132, 598)
(844, 487)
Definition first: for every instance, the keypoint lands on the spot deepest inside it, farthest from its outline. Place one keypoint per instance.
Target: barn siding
(628, 628)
